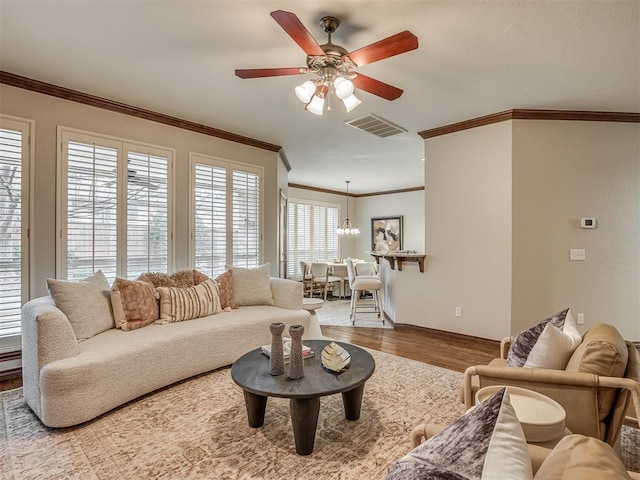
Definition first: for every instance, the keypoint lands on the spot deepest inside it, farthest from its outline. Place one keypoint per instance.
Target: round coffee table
(251, 372)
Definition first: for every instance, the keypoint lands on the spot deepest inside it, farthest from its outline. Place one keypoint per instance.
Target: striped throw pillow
(179, 304)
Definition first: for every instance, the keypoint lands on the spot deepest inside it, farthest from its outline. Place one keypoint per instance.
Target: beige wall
(468, 236)
(562, 171)
(49, 112)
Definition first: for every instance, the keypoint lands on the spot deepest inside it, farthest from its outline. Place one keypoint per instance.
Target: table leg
(256, 406)
(304, 418)
(352, 401)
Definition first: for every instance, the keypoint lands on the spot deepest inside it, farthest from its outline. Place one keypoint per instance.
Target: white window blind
(91, 209)
(115, 199)
(147, 213)
(14, 216)
(210, 222)
(246, 219)
(226, 214)
(312, 233)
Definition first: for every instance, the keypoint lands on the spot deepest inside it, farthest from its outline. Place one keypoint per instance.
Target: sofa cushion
(225, 283)
(179, 304)
(524, 342)
(582, 457)
(252, 286)
(486, 443)
(134, 303)
(86, 303)
(604, 352)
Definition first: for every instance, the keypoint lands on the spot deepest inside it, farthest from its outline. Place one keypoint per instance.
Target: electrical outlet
(580, 319)
(458, 311)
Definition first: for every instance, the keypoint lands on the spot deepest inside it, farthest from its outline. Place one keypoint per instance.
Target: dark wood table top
(251, 372)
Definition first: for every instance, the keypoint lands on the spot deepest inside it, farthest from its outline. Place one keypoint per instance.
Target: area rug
(197, 429)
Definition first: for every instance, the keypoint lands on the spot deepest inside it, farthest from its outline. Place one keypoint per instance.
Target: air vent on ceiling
(376, 125)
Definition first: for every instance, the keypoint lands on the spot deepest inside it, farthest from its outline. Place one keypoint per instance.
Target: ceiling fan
(335, 69)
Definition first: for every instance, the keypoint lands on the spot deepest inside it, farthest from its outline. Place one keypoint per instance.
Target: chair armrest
(505, 344)
(287, 293)
(424, 432)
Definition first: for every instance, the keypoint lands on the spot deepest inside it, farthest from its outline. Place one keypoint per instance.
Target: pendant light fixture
(347, 227)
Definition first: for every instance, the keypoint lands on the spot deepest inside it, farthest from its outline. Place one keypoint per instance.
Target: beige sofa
(595, 389)
(67, 382)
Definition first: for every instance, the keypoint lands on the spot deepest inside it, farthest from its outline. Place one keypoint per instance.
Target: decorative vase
(276, 360)
(296, 365)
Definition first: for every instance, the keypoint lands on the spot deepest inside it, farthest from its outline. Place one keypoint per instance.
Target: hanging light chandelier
(347, 227)
(334, 71)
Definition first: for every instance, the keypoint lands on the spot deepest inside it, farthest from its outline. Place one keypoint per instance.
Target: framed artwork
(386, 234)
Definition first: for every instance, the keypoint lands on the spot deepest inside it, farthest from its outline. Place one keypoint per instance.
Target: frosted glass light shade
(351, 102)
(305, 91)
(343, 87)
(316, 105)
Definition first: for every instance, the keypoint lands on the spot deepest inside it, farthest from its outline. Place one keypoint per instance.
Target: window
(15, 167)
(115, 207)
(226, 214)
(312, 233)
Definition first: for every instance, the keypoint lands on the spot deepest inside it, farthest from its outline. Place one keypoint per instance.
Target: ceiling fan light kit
(334, 67)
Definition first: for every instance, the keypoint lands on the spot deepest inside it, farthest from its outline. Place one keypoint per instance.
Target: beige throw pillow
(134, 304)
(252, 286)
(179, 304)
(86, 304)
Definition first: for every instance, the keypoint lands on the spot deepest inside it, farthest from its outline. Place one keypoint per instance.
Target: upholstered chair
(360, 284)
(320, 277)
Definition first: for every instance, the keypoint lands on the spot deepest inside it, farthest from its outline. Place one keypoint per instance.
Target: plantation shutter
(299, 240)
(312, 233)
(210, 211)
(14, 164)
(91, 209)
(147, 213)
(246, 219)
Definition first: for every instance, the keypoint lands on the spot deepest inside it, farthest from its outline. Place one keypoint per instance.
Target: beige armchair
(595, 389)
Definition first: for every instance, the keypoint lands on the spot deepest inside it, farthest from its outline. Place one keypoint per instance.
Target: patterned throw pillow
(85, 303)
(487, 443)
(199, 277)
(252, 286)
(181, 279)
(178, 304)
(524, 342)
(225, 282)
(134, 304)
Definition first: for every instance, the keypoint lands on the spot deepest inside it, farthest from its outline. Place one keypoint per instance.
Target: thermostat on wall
(586, 222)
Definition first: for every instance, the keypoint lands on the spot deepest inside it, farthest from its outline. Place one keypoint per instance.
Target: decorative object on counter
(335, 358)
(276, 359)
(296, 365)
(386, 234)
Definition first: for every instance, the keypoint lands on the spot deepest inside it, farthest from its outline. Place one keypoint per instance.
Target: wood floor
(447, 350)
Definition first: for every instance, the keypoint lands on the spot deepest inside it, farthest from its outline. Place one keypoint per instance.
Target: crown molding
(525, 114)
(19, 81)
(355, 195)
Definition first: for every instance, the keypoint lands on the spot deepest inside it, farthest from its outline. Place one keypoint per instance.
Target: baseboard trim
(445, 333)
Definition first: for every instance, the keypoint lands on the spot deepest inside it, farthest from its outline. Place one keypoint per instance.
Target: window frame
(123, 146)
(229, 166)
(11, 343)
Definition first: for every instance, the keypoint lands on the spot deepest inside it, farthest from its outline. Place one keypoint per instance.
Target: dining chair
(360, 284)
(321, 278)
(306, 277)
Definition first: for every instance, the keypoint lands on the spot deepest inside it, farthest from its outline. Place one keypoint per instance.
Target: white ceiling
(474, 58)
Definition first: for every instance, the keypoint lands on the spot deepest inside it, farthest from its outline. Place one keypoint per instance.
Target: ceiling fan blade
(267, 72)
(395, 45)
(381, 89)
(296, 30)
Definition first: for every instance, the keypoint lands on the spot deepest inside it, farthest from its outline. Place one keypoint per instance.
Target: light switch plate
(577, 254)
